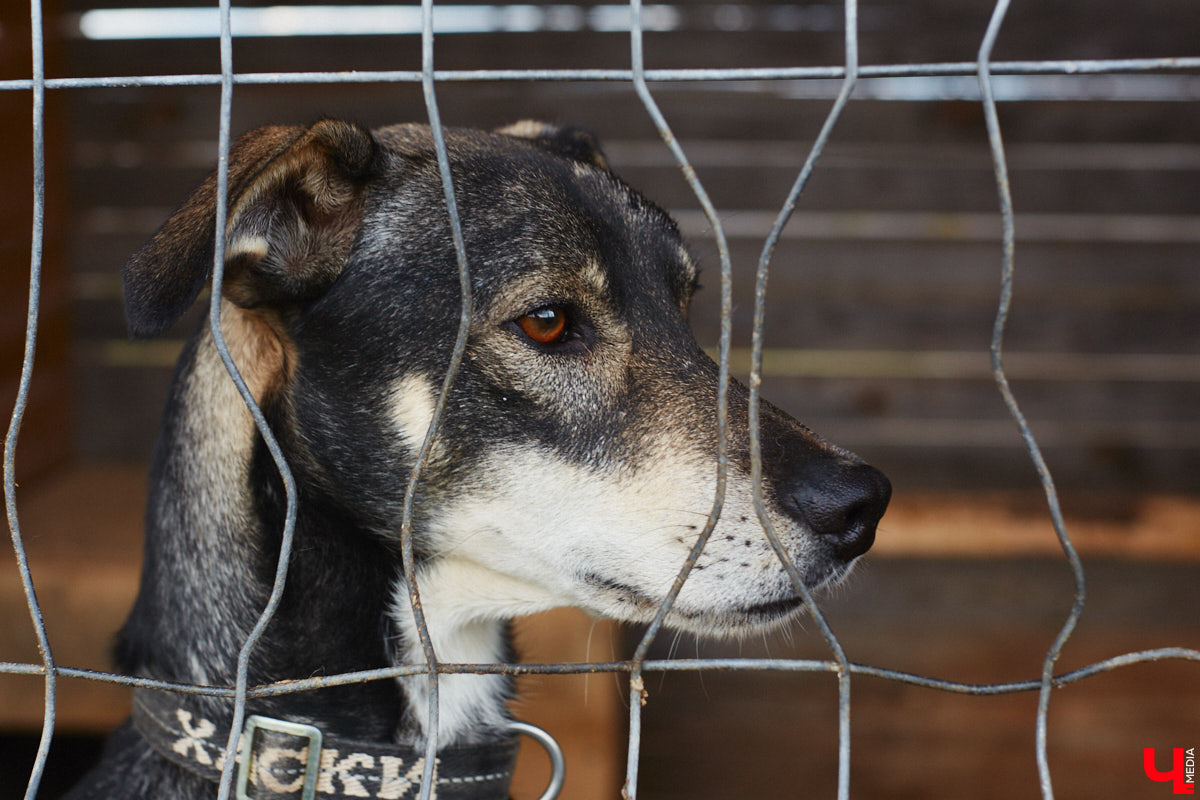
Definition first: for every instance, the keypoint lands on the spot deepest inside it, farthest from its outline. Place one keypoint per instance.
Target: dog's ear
(295, 206)
(565, 140)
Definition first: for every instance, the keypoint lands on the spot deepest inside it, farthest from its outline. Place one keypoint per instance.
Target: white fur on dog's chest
(466, 609)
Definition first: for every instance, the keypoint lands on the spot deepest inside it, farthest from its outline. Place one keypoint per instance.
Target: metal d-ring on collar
(558, 765)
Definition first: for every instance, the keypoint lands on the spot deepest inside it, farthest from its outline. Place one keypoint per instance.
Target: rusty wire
(983, 69)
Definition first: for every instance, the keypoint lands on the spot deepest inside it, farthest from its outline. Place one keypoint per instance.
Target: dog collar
(279, 760)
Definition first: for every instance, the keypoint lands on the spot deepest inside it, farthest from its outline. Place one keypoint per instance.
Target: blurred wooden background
(880, 311)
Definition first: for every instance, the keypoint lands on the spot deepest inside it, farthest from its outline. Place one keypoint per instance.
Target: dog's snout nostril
(843, 503)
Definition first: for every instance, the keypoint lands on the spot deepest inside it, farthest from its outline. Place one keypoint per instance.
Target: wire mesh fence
(848, 77)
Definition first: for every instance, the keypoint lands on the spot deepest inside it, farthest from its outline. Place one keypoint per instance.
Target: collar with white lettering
(345, 768)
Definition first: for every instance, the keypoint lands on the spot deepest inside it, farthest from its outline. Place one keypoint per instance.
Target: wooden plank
(710, 35)
(1004, 525)
(83, 533)
(847, 325)
(878, 187)
(773, 735)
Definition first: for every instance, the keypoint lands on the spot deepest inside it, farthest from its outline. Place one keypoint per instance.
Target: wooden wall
(882, 292)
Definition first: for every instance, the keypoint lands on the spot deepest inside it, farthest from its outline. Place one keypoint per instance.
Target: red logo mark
(1183, 769)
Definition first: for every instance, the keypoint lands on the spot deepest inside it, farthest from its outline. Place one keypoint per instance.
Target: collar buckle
(248, 754)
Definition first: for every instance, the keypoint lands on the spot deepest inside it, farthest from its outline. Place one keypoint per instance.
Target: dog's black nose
(842, 501)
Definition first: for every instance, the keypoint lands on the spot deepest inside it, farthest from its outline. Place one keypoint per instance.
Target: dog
(575, 464)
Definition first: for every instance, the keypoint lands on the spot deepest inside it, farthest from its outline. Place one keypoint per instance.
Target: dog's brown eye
(545, 325)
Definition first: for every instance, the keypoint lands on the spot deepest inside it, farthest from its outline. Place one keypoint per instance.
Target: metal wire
(851, 73)
(597, 667)
(214, 316)
(460, 346)
(967, 68)
(22, 401)
(1010, 401)
(637, 689)
(756, 349)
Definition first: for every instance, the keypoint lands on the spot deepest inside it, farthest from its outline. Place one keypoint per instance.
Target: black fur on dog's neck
(213, 531)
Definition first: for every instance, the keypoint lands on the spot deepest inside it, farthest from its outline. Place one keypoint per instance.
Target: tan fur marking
(412, 409)
(261, 355)
(526, 129)
(593, 275)
(252, 247)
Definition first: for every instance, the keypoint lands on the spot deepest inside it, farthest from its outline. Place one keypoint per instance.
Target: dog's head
(576, 461)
